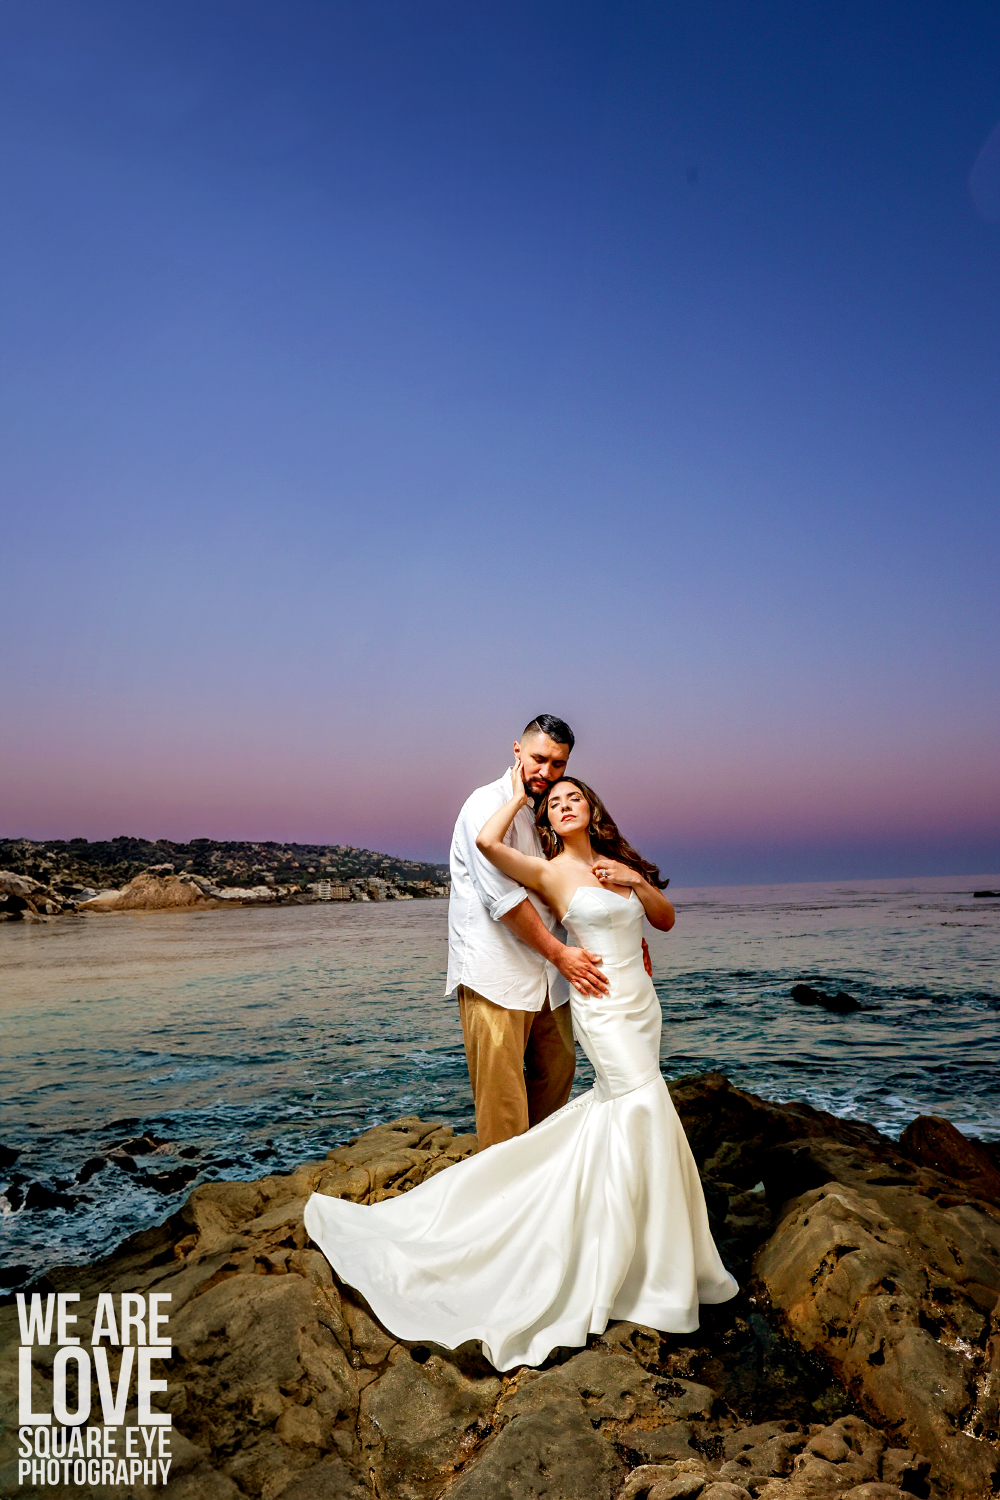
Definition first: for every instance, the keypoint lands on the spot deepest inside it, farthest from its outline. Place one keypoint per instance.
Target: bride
(597, 1213)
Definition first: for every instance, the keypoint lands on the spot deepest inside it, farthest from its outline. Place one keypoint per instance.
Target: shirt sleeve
(498, 893)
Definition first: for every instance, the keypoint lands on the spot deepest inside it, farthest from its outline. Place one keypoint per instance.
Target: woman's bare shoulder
(561, 876)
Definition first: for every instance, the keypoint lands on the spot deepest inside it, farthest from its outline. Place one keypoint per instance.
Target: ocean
(248, 1041)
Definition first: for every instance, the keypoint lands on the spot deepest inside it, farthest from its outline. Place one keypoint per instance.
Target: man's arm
(575, 964)
(497, 891)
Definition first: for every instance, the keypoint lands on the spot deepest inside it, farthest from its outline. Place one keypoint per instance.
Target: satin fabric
(595, 1214)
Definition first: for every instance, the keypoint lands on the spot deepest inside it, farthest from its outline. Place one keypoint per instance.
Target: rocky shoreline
(861, 1359)
(23, 899)
(61, 877)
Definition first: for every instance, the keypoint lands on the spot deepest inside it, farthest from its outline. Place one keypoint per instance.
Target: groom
(505, 962)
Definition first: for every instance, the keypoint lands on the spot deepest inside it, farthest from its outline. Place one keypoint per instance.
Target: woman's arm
(655, 904)
(527, 869)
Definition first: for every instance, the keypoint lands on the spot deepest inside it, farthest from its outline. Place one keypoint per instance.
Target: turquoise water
(263, 1038)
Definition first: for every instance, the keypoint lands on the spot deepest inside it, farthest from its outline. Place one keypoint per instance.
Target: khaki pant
(521, 1064)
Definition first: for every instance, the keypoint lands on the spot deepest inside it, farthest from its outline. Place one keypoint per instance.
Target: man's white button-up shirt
(482, 953)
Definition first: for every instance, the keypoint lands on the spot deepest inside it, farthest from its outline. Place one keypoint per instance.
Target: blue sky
(379, 375)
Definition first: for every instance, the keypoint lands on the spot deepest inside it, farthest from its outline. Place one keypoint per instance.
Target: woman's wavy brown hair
(604, 835)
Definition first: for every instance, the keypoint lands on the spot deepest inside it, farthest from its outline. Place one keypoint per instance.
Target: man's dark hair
(556, 729)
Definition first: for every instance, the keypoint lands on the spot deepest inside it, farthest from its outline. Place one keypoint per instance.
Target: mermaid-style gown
(595, 1214)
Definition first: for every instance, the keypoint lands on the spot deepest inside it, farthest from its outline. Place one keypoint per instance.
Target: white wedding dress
(595, 1214)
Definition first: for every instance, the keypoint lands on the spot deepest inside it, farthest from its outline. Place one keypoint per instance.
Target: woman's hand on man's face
(517, 782)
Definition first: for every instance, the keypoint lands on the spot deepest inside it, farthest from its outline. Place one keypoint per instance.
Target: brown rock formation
(284, 1387)
(149, 892)
(23, 899)
(932, 1142)
(896, 1291)
(152, 891)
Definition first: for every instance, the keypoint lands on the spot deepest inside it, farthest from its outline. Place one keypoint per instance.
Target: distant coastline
(55, 877)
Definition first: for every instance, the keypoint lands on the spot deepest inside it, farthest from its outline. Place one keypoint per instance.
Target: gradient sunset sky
(378, 375)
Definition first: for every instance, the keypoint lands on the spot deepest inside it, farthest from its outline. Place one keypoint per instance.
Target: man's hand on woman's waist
(574, 964)
(581, 969)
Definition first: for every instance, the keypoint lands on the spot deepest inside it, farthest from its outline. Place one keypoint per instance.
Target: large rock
(149, 892)
(553, 1453)
(18, 885)
(734, 1134)
(932, 1142)
(283, 1386)
(422, 1420)
(26, 900)
(154, 890)
(840, 1004)
(895, 1290)
(562, 1433)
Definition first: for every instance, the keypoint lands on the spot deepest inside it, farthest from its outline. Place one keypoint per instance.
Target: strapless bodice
(606, 922)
